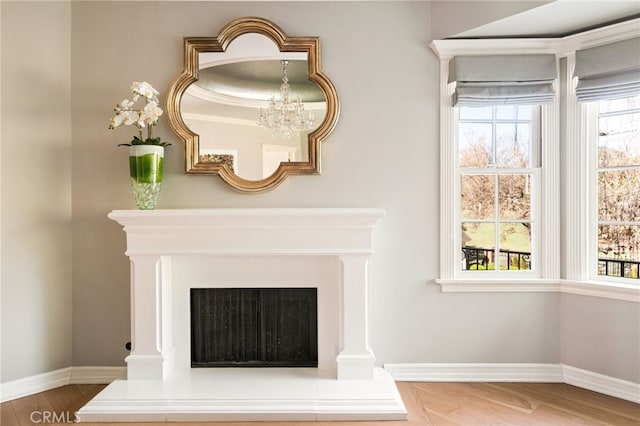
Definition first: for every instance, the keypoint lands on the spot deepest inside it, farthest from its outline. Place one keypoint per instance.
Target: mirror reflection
(253, 107)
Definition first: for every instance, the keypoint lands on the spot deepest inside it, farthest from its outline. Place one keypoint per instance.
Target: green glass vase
(145, 166)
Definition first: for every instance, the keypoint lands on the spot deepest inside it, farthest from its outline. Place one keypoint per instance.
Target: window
(616, 188)
(499, 170)
(583, 218)
(498, 161)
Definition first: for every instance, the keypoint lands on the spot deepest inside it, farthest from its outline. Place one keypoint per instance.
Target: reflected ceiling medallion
(285, 115)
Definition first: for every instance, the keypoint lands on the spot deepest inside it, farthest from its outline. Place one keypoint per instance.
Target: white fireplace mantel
(156, 235)
(157, 238)
(334, 231)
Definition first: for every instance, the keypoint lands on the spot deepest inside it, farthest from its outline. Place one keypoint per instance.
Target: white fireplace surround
(172, 251)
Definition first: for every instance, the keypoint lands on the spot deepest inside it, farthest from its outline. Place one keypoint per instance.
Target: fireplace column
(151, 344)
(356, 359)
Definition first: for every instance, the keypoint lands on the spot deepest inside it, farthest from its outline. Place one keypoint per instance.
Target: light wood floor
(474, 404)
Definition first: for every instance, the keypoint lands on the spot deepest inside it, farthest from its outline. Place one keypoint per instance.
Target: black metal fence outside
(477, 258)
(619, 268)
(483, 259)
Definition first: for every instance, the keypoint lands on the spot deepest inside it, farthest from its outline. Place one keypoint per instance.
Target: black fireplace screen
(254, 327)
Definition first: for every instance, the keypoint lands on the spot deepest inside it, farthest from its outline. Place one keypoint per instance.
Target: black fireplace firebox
(254, 327)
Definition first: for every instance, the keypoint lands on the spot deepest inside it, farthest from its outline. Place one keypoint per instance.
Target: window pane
(619, 187)
(514, 112)
(619, 104)
(477, 194)
(478, 246)
(514, 196)
(619, 242)
(475, 140)
(619, 195)
(479, 235)
(618, 250)
(513, 144)
(515, 246)
(476, 113)
(496, 138)
(619, 141)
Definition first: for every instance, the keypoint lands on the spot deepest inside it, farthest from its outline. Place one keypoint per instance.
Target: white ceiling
(557, 18)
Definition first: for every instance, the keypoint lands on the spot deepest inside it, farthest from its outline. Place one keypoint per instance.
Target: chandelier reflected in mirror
(285, 115)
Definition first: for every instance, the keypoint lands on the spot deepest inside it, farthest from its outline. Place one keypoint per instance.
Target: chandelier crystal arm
(285, 116)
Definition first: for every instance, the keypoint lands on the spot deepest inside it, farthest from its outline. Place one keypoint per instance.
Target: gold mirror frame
(193, 46)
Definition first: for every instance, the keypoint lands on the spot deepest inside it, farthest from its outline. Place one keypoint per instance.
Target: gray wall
(601, 335)
(383, 153)
(36, 179)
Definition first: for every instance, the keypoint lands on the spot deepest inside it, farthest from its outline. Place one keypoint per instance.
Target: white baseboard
(97, 375)
(549, 373)
(556, 373)
(600, 383)
(34, 384)
(475, 372)
(54, 379)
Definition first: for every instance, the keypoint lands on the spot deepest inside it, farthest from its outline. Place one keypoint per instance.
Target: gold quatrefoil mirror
(252, 105)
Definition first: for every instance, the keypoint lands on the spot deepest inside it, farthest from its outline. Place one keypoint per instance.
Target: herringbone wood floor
(473, 404)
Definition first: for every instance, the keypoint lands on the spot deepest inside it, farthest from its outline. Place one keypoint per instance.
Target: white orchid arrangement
(147, 117)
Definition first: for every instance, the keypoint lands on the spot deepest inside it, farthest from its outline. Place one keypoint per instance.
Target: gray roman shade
(608, 72)
(503, 79)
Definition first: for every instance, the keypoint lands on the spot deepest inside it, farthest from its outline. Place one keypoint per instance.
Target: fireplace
(254, 327)
(176, 253)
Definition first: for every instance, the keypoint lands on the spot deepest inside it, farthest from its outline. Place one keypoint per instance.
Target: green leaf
(149, 141)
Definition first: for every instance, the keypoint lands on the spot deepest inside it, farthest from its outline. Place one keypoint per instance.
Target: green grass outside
(513, 236)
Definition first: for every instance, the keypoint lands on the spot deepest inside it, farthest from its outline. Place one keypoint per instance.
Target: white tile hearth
(245, 394)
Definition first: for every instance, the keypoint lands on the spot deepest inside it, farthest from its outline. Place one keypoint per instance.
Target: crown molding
(561, 46)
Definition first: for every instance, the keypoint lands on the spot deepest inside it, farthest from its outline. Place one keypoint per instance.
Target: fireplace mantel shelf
(257, 247)
(249, 231)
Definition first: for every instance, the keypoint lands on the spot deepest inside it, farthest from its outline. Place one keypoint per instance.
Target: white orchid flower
(125, 105)
(144, 89)
(140, 121)
(151, 113)
(125, 118)
(143, 118)
(130, 117)
(116, 121)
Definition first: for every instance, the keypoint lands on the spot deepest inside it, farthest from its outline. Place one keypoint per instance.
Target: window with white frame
(498, 160)
(615, 188)
(499, 128)
(608, 87)
(598, 189)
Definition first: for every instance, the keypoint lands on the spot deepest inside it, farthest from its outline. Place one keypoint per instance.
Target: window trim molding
(605, 290)
(449, 239)
(575, 279)
(517, 285)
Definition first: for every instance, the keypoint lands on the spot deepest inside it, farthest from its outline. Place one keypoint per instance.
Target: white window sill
(607, 290)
